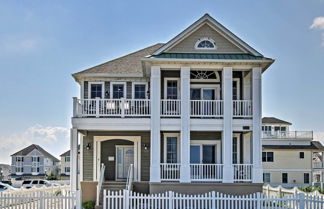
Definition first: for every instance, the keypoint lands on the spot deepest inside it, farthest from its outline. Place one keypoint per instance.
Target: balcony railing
(287, 134)
(242, 172)
(242, 108)
(206, 172)
(170, 107)
(112, 107)
(206, 108)
(318, 165)
(170, 171)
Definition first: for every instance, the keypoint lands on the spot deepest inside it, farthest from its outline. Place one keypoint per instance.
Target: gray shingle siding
(85, 90)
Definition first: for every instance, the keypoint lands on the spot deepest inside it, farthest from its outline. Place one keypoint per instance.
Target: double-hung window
(172, 88)
(139, 90)
(118, 90)
(306, 178)
(67, 159)
(267, 157)
(67, 169)
(96, 90)
(171, 146)
(266, 177)
(284, 178)
(203, 153)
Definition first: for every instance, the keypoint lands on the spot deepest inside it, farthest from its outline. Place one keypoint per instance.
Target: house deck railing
(121, 108)
(287, 134)
(170, 171)
(206, 172)
(242, 172)
(318, 165)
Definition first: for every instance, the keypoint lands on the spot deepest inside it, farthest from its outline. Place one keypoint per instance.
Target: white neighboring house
(186, 112)
(33, 162)
(290, 158)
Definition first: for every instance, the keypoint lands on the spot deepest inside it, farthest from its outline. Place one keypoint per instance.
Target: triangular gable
(35, 152)
(226, 41)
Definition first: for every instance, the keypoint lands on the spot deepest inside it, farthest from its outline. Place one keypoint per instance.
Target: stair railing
(101, 179)
(130, 177)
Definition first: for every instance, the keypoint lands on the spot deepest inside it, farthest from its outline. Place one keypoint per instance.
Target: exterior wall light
(146, 146)
(88, 147)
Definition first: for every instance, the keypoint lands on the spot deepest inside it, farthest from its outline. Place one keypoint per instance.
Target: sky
(42, 42)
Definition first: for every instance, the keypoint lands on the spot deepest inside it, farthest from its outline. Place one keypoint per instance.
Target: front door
(124, 157)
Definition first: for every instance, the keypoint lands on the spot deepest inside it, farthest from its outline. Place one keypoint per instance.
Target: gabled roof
(217, 26)
(273, 120)
(129, 65)
(30, 148)
(67, 153)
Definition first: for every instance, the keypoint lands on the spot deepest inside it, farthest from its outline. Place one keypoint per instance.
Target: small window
(118, 91)
(267, 157)
(301, 155)
(95, 90)
(283, 129)
(277, 128)
(67, 159)
(171, 149)
(172, 89)
(306, 178)
(205, 43)
(139, 91)
(284, 178)
(67, 169)
(266, 177)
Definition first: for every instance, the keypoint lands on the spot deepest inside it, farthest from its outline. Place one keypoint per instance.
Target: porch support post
(227, 141)
(185, 125)
(74, 159)
(155, 124)
(256, 131)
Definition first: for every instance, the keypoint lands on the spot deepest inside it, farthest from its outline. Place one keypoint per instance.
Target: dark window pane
(269, 156)
(195, 154)
(301, 155)
(139, 91)
(285, 178)
(171, 150)
(264, 157)
(96, 90)
(208, 154)
(118, 91)
(306, 178)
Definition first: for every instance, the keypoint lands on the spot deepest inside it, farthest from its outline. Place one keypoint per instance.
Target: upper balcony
(139, 108)
(287, 134)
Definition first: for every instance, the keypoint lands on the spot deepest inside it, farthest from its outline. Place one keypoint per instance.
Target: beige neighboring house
(288, 156)
(4, 172)
(65, 165)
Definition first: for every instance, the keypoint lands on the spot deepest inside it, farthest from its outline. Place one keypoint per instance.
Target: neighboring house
(288, 155)
(4, 172)
(66, 165)
(33, 162)
(186, 112)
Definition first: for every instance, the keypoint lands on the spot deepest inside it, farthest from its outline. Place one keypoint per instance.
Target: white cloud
(318, 23)
(16, 44)
(55, 140)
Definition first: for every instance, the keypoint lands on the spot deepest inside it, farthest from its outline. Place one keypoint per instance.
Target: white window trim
(102, 87)
(165, 136)
(165, 86)
(205, 39)
(238, 88)
(238, 138)
(206, 80)
(200, 143)
(269, 177)
(216, 87)
(138, 83)
(111, 89)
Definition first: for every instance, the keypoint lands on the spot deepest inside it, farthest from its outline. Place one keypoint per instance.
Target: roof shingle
(30, 148)
(274, 120)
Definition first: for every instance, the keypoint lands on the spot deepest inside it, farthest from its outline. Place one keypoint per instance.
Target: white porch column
(74, 159)
(185, 125)
(227, 140)
(155, 124)
(256, 132)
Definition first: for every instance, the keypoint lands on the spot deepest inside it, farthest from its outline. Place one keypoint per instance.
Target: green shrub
(307, 188)
(88, 205)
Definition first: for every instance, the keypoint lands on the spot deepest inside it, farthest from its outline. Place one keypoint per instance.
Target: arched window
(205, 43)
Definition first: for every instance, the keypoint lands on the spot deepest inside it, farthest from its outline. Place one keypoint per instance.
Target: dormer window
(205, 43)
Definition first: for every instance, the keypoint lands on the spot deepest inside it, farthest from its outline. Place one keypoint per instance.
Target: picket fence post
(213, 199)
(126, 199)
(42, 199)
(301, 197)
(170, 197)
(78, 199)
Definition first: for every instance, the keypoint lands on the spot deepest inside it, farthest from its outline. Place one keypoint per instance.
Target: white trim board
(97, 154)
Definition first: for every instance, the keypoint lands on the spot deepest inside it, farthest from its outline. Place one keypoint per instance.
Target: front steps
(112, 186)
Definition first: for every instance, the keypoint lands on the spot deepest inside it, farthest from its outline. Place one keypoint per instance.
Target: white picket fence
(213, 200)
(280, 191)
(40, 198)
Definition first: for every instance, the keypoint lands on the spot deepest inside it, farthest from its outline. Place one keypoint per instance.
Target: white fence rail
(40, 198)
(171, 200)
(242, 108)
(280, 191)
(170, 171)
(206, 172)
(206, 108)
(111, 107)
(242, 172)
(287, 134)
(170, 108)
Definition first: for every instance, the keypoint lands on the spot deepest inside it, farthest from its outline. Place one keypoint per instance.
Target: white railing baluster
(170, 108)
(170, 171)
(242, 108)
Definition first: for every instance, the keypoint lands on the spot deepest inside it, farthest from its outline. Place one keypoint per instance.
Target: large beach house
(185, 115)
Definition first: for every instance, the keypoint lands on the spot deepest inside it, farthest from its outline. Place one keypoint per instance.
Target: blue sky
(43, 42)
